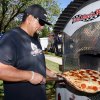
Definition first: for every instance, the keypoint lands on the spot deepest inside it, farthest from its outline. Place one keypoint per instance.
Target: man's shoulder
(9, 35)
(12, 31)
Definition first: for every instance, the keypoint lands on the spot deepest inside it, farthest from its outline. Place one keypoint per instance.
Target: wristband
(32, 76)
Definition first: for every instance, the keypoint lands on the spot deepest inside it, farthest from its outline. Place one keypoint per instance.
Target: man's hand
(51, 74)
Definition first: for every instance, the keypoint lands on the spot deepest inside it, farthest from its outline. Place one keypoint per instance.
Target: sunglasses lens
(41, 22)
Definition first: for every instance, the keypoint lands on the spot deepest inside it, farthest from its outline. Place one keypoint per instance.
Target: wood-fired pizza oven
(80, 51)
(80, 25)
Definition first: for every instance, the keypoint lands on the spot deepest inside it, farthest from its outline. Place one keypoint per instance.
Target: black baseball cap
(38, 12)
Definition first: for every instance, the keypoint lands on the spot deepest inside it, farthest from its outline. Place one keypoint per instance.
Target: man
(22, 63)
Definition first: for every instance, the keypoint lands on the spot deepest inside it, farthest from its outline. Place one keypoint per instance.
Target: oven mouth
(89, 60)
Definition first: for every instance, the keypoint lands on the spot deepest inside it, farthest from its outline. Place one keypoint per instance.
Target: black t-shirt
(20, 50)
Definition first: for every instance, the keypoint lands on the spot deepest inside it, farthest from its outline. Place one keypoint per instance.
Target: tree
(11, 11)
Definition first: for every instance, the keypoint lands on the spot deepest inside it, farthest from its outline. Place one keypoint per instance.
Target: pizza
(85, 80)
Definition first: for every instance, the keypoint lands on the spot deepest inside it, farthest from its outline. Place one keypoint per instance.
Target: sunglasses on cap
(41, 22)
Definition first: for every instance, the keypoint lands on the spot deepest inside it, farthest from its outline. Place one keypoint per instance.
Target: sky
(64, 3)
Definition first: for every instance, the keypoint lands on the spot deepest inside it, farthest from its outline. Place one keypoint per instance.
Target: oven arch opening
(89, 61)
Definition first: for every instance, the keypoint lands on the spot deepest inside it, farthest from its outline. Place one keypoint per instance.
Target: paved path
(54, 59)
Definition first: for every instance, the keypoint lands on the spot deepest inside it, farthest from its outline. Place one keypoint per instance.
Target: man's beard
(36, 36)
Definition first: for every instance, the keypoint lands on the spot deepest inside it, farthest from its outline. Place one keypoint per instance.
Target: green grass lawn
(1, 90)
(53, 66)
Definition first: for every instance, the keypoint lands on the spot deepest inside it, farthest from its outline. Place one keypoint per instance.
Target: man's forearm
(10, 73)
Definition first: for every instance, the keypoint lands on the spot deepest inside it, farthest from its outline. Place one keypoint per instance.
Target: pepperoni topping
(85, 76)
(81, 72)
(94, 79)
(95, 88)
(90, 74)
(83, 86)
(99, 82)
(93, 76)
(94, 72)
(79, 76)
(88, 71)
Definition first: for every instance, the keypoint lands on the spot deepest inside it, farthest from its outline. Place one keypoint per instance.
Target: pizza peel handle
(58, 78)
